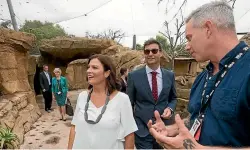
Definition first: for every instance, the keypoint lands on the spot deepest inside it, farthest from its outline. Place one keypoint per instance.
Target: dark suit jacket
(142, 100)
(44, 83)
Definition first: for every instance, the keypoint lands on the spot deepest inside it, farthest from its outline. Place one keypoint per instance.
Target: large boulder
(76, 74)
(73, 48)
(113, 50)
(14, 47)
(18, 107)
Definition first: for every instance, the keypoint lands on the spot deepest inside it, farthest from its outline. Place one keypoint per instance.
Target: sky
(144, 18)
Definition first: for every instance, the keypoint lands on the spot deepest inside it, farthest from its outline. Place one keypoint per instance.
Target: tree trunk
(172, 65)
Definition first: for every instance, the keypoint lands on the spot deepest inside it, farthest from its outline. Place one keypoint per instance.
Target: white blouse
(109, 133)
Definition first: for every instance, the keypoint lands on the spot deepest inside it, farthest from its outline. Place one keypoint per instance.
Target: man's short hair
(219, 12)
(44, 65)
(151, 41)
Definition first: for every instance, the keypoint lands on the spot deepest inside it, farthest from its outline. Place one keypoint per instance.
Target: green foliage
(7, 137)
(139, 47)
(46, 30)
(163, 41)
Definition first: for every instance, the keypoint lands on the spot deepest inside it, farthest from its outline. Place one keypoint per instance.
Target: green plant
(7, 137)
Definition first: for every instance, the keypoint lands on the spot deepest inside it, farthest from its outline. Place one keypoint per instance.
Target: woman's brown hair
(123, 70)
(107, 63)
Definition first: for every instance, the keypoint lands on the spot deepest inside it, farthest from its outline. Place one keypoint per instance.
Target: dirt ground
(49, 132)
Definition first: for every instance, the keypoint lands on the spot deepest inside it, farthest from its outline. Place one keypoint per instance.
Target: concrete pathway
(49, 132)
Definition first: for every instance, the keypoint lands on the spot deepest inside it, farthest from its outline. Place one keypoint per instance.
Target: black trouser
(147, 142)
(47, 95)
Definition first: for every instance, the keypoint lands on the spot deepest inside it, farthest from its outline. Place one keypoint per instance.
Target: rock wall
(18, 107)
(76, 74)
(186, 71)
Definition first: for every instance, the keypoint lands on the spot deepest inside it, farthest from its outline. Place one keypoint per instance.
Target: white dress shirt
(159, 81)
(158, 77)
(47, 75)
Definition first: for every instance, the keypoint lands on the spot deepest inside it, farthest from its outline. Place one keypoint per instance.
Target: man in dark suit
(45, 83)
(151, 88)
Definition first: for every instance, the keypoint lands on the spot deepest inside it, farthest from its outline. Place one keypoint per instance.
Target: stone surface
(76, 74)
(18, 107)
(34, 61)
(16, 111)
(68, 48)
(48, 126)
(181, 107)
(112, 50)
(183, 93)
(13, 60)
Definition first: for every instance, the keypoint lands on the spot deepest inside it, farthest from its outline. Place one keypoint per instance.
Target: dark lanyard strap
(207, 98)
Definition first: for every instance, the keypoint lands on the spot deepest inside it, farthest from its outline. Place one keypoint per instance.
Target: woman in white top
(103, 117)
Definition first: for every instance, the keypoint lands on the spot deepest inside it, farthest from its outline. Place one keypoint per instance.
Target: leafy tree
(139, 47)
(46, 30)
(164, 43)
(42, 30)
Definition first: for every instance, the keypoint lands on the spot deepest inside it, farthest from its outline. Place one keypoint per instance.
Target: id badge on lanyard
(196, 127)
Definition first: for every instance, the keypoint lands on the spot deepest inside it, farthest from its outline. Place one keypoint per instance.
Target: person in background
(60, 91)
(151, 88)
(219, 102)
(124, 74)
(103, 117)
(45, 84)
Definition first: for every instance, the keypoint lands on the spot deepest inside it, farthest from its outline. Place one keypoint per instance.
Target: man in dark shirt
(220, 97)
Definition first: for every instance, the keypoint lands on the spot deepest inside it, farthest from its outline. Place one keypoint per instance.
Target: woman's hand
(67, 94)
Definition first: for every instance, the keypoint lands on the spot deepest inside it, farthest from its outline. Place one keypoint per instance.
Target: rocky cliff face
(18, 107)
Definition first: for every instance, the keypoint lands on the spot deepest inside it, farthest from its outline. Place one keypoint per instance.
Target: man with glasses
(151, 88)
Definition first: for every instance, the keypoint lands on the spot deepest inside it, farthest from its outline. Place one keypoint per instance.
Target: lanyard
(59, 85)
(207, 98)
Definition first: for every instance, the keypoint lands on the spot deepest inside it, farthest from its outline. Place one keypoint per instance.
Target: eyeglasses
(147, 51)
